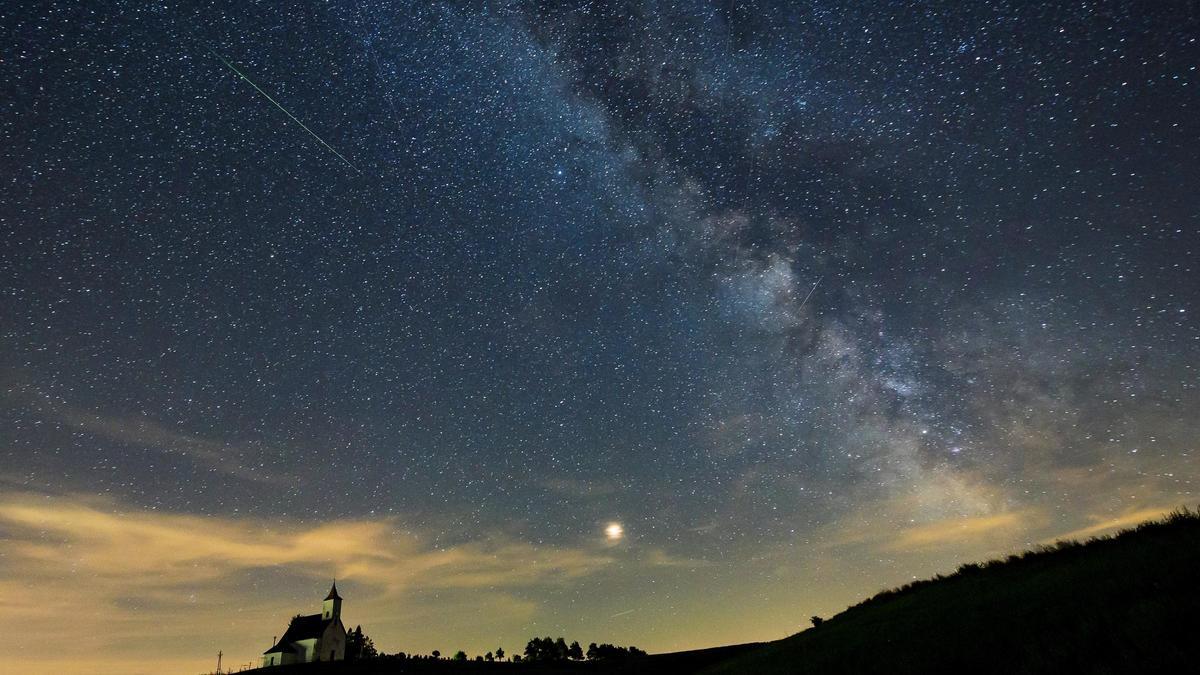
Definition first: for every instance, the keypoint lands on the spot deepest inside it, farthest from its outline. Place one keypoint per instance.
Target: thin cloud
(213, 454)
(956, 530)
(131, 583)
(175, 549)
(1108, 524)
(221, 457)
(657, 557)
(145, 433)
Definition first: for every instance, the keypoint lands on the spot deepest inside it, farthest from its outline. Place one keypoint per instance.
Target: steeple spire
(331, 608)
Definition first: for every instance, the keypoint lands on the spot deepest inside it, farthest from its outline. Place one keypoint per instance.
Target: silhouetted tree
(437, 654)
(359, 645)
(560, 650)
(817, 621)
(574, 652)
(591, 652)
(499, 653)
(460, 655)
(488, 657)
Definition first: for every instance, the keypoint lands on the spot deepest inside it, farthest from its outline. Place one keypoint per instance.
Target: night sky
(811, 299)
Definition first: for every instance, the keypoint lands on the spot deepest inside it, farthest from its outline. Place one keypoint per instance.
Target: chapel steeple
(332, 607)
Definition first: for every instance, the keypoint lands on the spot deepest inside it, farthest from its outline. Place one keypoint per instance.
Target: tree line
(548, 649)
(359, 646)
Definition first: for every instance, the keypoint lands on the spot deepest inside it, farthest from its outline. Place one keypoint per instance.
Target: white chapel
(315, 637)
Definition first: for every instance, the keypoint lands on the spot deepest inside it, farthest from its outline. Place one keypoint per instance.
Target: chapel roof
(306, 627)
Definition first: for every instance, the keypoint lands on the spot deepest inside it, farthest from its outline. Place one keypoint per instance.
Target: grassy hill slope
(1125, 604)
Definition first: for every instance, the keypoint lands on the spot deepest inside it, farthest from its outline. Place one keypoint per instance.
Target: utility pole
(219, 655)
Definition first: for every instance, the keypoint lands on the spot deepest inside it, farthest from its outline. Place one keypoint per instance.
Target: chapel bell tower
(332, 607)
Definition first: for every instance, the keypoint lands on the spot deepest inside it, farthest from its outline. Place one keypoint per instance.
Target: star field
(804, 299)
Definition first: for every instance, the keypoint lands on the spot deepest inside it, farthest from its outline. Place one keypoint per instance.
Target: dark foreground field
(679, 662)
(1127, 604)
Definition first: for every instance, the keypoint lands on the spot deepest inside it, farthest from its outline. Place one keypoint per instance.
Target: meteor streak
(285, 111)
(810, 292)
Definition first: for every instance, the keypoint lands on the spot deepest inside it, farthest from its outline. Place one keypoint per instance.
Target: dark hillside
(1124, 604)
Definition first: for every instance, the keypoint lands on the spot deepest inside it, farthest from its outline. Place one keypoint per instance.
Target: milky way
(808, 298)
